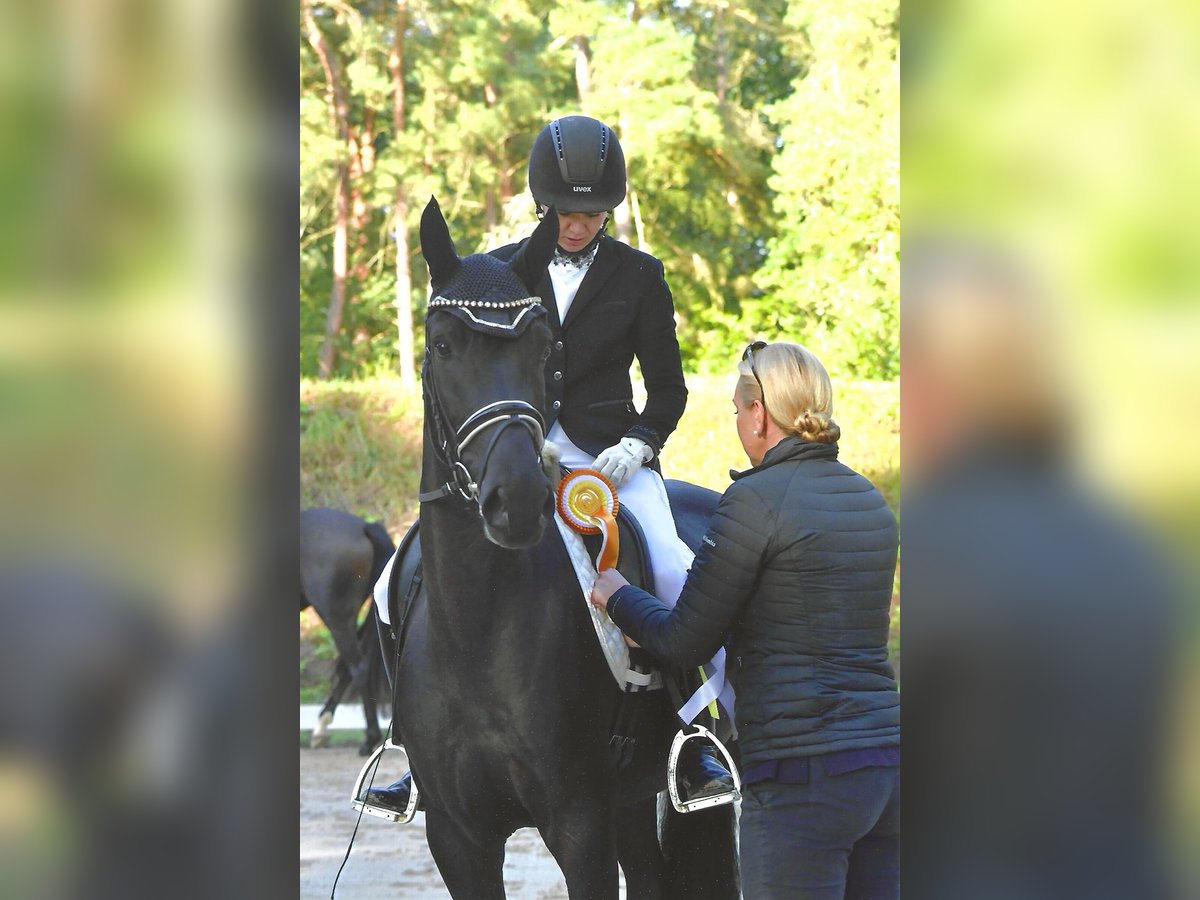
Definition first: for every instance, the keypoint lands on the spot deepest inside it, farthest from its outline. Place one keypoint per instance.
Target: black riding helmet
(576, 165)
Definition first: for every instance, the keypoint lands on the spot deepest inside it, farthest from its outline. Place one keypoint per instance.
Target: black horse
(503, 699)
(341, 558)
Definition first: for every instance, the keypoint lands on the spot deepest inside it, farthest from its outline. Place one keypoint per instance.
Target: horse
(341, 558)
(501, 694)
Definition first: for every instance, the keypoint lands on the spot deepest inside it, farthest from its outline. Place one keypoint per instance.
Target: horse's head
(486, 344)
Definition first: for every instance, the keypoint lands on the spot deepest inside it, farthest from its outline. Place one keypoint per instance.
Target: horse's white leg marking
(320, 733)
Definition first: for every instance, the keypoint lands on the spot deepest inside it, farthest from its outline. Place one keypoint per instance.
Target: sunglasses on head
(748, 356)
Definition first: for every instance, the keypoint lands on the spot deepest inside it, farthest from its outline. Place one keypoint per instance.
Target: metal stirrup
(382, 812)
(721, 799)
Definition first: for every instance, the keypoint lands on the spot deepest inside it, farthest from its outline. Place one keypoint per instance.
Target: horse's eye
(442, 348)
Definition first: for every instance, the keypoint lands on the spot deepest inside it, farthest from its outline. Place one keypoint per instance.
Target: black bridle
(451, 442)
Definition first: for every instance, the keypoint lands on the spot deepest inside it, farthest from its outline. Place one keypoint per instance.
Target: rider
(608, 303)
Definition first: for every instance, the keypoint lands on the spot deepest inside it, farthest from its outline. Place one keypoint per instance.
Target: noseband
(451, 443)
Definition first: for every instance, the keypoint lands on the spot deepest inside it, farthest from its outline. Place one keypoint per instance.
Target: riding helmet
(577, 165)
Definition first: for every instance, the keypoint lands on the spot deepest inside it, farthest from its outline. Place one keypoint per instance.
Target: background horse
(341, 557)
(503, 699)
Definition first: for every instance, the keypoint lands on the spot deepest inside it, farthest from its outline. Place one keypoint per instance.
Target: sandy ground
(389, 859)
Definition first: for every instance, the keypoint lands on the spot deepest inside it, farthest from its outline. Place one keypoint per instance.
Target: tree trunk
(583, 70)
(337, 296)
(491, 213)
(404, 313)
(722, 56)
(621, 214)
(362, 164)
(643, 244)
(339, 106)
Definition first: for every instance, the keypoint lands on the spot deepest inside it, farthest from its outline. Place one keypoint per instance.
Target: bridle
(450, 443)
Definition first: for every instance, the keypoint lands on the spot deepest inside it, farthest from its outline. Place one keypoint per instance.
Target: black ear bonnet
(488, 298)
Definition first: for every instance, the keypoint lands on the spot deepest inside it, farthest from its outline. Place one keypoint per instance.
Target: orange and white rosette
(587, 501)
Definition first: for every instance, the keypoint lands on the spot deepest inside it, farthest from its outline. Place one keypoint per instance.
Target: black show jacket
(623, 309)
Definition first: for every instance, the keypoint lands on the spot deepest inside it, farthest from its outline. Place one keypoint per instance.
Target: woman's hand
(608, 583)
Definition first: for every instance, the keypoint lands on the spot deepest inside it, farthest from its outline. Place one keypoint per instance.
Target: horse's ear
(436, 244)
(529, 263)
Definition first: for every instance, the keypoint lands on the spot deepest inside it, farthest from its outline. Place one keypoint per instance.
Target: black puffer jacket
(797, 567)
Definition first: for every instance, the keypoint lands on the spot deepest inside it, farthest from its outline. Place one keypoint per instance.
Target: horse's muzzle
(516, 511)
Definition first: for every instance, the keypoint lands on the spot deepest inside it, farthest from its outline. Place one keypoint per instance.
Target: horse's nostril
(492, 503)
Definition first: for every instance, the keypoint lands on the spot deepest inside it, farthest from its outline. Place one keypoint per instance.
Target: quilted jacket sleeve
(720, 582)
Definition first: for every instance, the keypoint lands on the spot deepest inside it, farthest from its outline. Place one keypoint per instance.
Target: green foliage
(360, 449)
(832, 277)
(761, 139)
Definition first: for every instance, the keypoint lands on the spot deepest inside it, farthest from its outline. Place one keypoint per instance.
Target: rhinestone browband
(483, 304)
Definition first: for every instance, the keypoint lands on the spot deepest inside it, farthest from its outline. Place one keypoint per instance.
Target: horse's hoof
(320, 733)
(369, 746)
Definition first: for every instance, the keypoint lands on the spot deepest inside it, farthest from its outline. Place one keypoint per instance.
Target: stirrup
(382, 812)
(673, 777)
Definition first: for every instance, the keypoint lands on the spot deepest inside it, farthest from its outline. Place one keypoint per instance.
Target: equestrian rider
(608, 304)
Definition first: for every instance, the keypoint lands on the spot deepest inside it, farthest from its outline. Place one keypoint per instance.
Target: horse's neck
(472, 583)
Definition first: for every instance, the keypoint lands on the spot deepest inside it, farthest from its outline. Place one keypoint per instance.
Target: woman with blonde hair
(795, 577)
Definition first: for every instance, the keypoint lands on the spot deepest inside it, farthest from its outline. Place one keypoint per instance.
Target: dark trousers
(835, 838)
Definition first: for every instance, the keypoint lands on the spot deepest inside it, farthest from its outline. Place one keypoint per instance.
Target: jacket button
(558, 345)
(558, 376)
(557, 404)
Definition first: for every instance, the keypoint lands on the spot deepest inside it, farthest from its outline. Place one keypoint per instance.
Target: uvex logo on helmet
(576, 164)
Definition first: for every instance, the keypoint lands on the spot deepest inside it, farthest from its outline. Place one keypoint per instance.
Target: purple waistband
(797, 769)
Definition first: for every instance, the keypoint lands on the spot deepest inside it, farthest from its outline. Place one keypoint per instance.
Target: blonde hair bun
(817, 427)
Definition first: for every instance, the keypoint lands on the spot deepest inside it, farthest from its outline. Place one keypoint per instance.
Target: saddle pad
(612, 642)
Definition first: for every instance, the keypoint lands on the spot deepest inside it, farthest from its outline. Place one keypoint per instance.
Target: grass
(360, 450)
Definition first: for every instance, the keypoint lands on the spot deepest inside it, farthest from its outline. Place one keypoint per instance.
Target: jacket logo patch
(706, 539)
(582, 190)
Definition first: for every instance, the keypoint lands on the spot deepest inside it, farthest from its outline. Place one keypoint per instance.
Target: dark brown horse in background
(341, 557)
(503, 699)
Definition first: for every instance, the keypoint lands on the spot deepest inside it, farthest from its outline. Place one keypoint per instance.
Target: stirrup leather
(700, 733)
(382, 812)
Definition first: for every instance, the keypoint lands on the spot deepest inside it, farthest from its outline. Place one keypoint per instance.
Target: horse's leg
(638, 851)
(373, 661)
(701, 852)
(341, 680)
(472, 865)
(582, 839)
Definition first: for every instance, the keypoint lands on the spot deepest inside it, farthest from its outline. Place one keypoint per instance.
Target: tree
(832, 276)
(338, 107)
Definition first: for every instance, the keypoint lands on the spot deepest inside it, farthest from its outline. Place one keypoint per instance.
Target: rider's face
(576, 230)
